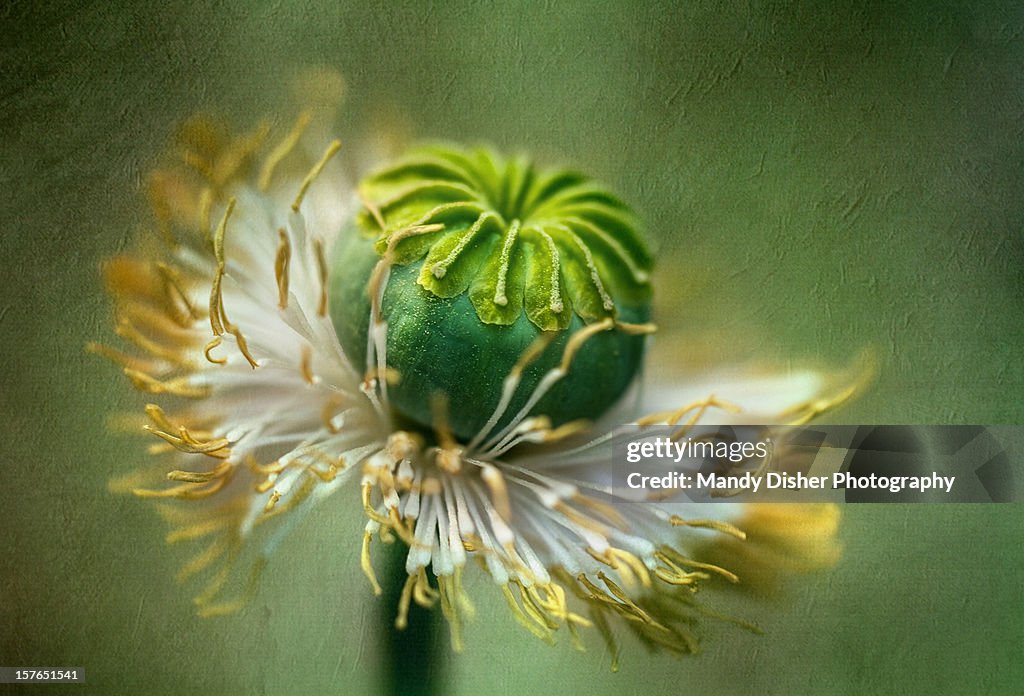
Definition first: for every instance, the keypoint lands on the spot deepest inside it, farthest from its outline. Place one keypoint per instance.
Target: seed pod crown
(550, 243)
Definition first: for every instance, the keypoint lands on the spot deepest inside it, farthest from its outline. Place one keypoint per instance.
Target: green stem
(413, 659)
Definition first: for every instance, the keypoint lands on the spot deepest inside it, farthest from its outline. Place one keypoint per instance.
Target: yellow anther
(332, 149)
(282, 149)
(366, 563)
(281, 261)
(321, 271)
(716, 525)
(306, 365)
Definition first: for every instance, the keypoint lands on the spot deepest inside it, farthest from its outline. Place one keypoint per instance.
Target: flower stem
(413, 659)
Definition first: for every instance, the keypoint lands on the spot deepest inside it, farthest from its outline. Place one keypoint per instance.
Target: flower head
(489, 315)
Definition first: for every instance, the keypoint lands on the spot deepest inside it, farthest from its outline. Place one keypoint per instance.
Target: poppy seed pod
(477, 260)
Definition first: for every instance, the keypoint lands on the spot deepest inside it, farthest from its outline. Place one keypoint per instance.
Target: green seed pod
(474, 257)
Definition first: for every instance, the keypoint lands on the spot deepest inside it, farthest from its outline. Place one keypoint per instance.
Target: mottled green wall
(819, 181)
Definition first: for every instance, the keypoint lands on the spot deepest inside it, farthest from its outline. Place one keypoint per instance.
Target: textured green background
(818, 179)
